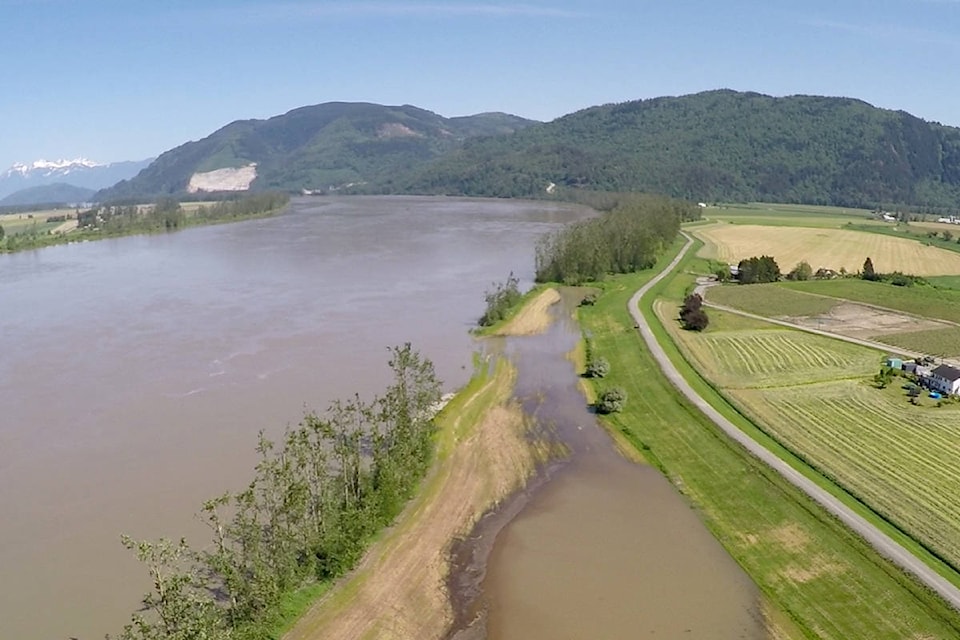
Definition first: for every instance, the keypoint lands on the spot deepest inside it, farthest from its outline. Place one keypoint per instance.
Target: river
(136, 372)
(597, 546)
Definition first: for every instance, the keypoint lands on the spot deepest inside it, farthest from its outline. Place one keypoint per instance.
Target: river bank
(483, 456)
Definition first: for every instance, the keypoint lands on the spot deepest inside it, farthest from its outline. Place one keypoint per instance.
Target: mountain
(713, 146)
(78, 173)
(320, 147)
(56, 193)
(717, 145)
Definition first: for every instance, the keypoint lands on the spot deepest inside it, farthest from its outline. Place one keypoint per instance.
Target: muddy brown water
(597, 546)
(135, 373)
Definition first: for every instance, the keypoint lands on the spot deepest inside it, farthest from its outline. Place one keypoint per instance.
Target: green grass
(292, 606)
(787, 215)
(930, 302)
(812, 394)
(945, 282)
(811, 569)
(943, 342)
(770, 300)
(774, 358)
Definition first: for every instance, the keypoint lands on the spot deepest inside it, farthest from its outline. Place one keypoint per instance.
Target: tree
(868, 272)
(947, 236)
(803, 271)
(597, 368)
(758, 269)
(179, 607)
(692, 314)
(499, 300)
(2, 232)
(611, 400)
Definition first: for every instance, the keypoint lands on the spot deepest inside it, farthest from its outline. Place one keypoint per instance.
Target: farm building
(916, 369)
(894, 363)
(945, 379)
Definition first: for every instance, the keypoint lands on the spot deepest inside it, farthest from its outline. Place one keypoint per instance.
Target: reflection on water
(605, 548)
(136, 372)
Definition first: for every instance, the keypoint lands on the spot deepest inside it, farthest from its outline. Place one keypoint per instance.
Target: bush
(589, 300)
(597, 368)
(611, 400)
(499, 301)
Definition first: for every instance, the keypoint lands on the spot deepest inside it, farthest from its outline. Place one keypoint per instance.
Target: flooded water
(135, 373)
(603, 547)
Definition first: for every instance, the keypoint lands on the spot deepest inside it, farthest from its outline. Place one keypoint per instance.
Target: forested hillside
(712, 146)
(719, 145)
(317, 147)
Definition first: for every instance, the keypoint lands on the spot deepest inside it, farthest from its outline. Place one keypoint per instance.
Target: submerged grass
(820, 579)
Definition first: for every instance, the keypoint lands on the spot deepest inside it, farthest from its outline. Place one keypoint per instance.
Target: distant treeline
(313, 505)
(630, 236)
(167, 214)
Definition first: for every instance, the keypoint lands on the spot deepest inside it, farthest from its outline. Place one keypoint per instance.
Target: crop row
(905, 467)
(778, 357)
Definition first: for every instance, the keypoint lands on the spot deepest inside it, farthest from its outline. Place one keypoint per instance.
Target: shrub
(611, 400)
(597, 368)
(499, 300)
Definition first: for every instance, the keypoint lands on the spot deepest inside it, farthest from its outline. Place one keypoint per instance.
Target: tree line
(316, 499)
(629, 237)
(168, 214)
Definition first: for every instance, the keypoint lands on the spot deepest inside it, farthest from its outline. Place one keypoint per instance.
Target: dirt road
(885, 545)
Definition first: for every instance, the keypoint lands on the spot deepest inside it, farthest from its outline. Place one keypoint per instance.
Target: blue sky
(127, 79)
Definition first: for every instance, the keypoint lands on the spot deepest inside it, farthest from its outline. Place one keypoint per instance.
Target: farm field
(929, 302)
(829, 248)
(818, 579)
(770, 300)
(901, 460)
(790, 215)
(943, 342)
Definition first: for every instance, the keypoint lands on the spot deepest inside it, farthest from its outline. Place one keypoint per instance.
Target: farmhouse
(945, 379)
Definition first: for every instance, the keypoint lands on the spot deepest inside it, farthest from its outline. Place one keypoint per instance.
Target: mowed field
(814, 395)
(821, 247)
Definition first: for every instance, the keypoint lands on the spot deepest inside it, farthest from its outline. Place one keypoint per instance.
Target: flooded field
(602, 547)
(136, 372)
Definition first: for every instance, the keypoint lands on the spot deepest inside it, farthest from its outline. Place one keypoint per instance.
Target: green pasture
(813, 394)
(774, 358)
(770, 300)
(943, 342)
(812, 571)
(926, 301)
(790, 215)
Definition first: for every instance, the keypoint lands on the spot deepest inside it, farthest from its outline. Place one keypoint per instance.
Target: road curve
(885, 545)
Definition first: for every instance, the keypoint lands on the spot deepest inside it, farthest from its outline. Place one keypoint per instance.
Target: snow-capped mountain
(79, 172)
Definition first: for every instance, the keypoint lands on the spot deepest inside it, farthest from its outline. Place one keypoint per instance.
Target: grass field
(777, 358)
(936, 342)
(820, 580)
(790, 215)
(930, 302)
(902, 460)
(770, 300)
(830, 248)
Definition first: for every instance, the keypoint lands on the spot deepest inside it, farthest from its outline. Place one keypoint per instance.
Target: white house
(945, 379)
